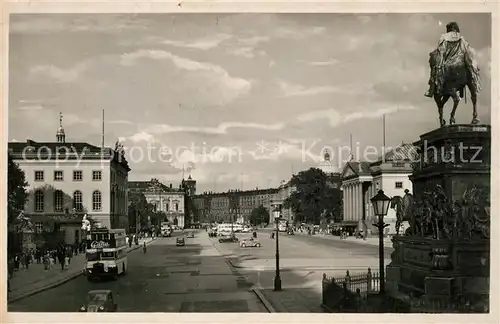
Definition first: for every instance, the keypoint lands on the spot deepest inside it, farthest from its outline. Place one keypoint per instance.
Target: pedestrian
(61, 256)
(144, 248)
(46, 262)
(28, 259)
(66, 262)
(23, 260)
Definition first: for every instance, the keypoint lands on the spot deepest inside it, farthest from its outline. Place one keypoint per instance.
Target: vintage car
(180, 241)
(212, 233)
(99, 301)
(190, 235)
(228, 239)
(249, 242)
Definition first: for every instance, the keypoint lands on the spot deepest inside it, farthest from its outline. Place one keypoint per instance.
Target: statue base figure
(441, 263)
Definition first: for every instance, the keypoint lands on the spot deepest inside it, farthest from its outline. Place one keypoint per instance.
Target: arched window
(96, 201)
(39, 201)
(58, 201)
(78, 200)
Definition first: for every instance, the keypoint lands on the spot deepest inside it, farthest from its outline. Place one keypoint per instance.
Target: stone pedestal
(442, 261)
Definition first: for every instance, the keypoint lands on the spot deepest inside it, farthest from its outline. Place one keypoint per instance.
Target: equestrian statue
(452, 69)
(403, 206)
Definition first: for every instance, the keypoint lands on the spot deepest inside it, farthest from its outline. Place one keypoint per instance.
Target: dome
(60, 130)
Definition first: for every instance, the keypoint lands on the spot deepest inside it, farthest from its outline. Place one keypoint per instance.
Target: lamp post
(381, 204)
(277, 278)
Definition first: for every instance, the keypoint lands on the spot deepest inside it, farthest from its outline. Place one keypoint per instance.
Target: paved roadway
(193, 278)
(303, 259)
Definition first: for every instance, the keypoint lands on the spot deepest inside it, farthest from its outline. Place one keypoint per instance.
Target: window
(177, 207)
(167, 207)
(77, 175)
(78, 200)
(39, 203)
(58, 201)
(96, 201)
(39, 227)
(399, 185)
(96, 175)
(38, 175)
(58, 176)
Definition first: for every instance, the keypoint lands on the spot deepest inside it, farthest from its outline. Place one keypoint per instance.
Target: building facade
(362, 180)
(167, 199)
(69, 179)
(233, 205)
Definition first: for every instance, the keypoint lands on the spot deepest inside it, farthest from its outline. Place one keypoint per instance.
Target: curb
(305, 268)
(264, 301)
(47, 287)
(327, 308)
(60, 282)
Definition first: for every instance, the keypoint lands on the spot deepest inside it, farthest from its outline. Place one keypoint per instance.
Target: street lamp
(381, 204)
(277, 278)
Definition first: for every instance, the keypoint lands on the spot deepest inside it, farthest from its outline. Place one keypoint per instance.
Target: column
(351, 201)
(355, 202)
(348, 202)
(360, 200)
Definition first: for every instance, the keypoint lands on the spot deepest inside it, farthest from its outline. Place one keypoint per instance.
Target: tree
(314, 198)
(259, 215)
(139, 206)
(16, 189)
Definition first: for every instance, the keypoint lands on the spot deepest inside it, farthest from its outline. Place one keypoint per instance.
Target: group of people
(48, 258)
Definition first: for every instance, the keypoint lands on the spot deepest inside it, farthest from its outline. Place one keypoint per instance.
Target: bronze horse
(403, 206)
(441, 97)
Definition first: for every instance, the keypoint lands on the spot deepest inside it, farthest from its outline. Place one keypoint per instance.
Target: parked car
(212, 233)
(180, 241)
(190, 235)
(245, 230)
(228, 239)
(99, 301)
(290, 232)
(249, 242)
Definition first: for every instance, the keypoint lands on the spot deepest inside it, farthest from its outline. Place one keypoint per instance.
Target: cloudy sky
(238, 100)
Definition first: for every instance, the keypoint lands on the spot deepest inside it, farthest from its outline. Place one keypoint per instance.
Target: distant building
(362, 180)
(167, 199)
(68, 179)
(233, 205)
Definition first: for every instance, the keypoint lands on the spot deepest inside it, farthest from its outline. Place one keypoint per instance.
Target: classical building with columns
(362, 180)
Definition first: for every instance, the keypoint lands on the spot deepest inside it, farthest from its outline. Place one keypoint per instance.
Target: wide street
(193, 278)
(303, 259)
(208, 276)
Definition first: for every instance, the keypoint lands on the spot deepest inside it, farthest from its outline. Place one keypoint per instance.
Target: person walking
(28, 258)
(60, 256)
(144, 248)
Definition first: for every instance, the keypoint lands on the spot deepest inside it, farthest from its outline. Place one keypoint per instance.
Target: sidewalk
(369, 240)
(339, 263)
(35, 279)
(291, 300)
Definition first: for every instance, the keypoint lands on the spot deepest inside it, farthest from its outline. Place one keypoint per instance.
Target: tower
(60, 135)
(190, 186)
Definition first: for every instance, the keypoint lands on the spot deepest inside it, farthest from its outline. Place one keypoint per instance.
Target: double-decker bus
(106, 253)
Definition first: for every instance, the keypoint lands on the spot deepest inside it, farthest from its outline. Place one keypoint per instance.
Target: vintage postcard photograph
(237, 162)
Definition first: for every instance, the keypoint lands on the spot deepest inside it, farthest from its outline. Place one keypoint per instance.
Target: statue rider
(445, 62)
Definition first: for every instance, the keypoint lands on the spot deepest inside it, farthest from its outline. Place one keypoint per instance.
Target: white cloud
(202, 44)
(30, 107)
(227, 88)
(321, 63)
(335, 118)
(141, 137)
(220, 129)
(61, 75)
(290, 90)
(252, 41)
(243, 51)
